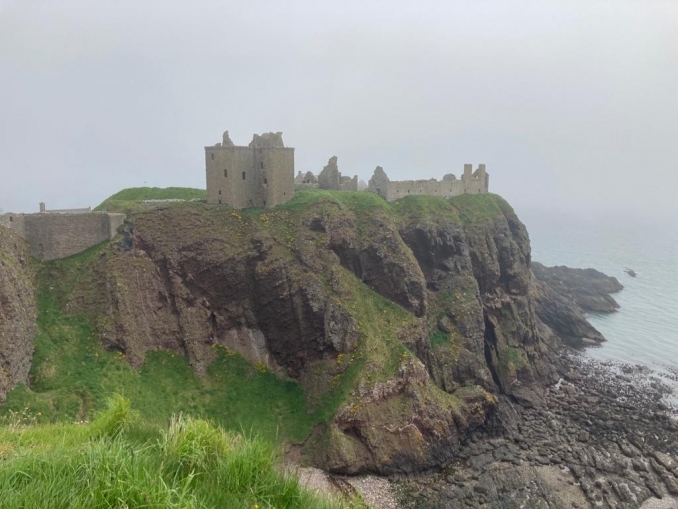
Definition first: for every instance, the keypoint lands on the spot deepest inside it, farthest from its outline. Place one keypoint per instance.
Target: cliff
(18, 311)
(401, 326)
(405, 324)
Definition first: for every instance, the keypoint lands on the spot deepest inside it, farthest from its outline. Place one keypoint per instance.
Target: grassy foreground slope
(189, 464)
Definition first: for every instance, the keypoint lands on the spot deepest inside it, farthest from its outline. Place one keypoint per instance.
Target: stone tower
(259, 175)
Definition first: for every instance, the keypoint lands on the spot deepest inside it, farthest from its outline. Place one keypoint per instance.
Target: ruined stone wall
(471, 183)
(433, 187)
(305, 181)
(52, 236)
(332, 179)
(349, 184)
(329, 177)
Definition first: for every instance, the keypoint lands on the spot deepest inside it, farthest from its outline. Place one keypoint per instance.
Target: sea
(644, 332)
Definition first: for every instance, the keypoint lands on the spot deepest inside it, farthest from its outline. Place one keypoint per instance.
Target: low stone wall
(52, 236)
(442, 188)
(470, 182)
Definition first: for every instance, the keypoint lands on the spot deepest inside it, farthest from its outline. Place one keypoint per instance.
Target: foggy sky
(571, 104)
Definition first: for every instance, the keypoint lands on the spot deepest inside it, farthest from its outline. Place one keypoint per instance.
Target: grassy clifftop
(463, 208)
(466, 208)
(124, 200)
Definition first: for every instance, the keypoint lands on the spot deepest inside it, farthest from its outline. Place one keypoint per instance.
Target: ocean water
(645, 330)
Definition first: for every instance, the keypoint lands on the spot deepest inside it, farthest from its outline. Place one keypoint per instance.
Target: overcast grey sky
(571, 104)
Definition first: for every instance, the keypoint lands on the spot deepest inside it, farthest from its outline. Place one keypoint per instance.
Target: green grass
(426, 209)
(189, 464)
(466, 208)
(133, 194)
(477, 208)
(511, 360)
(72, 376)
(438, 338)
(462, 209)
(357, 201)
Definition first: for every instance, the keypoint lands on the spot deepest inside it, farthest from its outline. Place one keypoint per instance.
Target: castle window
(225, 173)
(265, 181)
(219, 201)
(219, 192)
(212, 155)
(243, 175)
(262, 165)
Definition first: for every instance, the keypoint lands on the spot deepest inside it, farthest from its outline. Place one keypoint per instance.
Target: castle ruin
(53, 234)
(329, 178)
(470, 182)
(258, 175)
(305, 181)
(262, 175)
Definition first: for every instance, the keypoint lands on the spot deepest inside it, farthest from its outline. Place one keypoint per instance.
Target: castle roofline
(240, 147)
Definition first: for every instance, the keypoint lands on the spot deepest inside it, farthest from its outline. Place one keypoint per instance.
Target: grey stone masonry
(330, 178)
(58, 235)
(470, 182)
(258, 175)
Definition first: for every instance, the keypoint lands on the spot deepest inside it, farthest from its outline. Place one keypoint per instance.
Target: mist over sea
(645, 330)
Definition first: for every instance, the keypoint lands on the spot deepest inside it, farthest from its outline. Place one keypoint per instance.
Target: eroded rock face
(289, 291)
(563, 316)
(18, 311)
(401, 425)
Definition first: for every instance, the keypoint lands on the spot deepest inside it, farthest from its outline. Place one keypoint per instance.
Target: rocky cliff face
(405, 323)
(18, 311)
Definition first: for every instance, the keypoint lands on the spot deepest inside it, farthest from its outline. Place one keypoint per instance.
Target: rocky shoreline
(603, 436)
(598, 438)
(589, 288)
